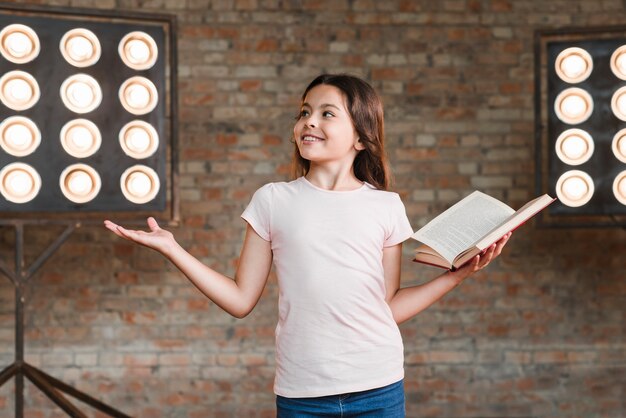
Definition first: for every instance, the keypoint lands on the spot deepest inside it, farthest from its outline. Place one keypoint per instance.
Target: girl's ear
(358, 145)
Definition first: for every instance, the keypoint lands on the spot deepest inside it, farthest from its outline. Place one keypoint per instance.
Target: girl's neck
(336, 180)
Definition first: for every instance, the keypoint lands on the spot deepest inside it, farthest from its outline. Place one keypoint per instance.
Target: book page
(524, 213)
(463, 224)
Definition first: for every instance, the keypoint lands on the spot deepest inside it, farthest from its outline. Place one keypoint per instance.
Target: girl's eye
(327, 114)
(304, 113)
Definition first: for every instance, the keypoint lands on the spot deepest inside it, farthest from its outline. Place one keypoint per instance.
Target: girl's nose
(310, 122)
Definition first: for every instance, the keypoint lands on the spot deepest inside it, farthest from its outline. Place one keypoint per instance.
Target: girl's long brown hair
(366, 112)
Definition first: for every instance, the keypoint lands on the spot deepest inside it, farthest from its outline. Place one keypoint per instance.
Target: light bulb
(138, 96)
(618, 62)
(573, 65)
(80, 94)
(19, 136)
(19, 183)
(79, 48)
(18, 44)
(139, 184)
(574, 188)
(79, 183)
(19, 90)
(574, 146)
(573, 105)
(139, 140)
(138, 50)
(81, 137)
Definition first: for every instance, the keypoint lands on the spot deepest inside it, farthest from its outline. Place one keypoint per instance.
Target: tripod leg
(8, 373)
(64, 387)
(52, 393)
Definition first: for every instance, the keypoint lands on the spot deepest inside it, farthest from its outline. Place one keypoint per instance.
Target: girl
(335, 237)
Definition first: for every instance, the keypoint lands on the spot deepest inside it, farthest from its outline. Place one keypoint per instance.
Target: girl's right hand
(158, 239)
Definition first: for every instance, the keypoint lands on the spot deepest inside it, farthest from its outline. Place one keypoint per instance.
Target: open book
(469, 227)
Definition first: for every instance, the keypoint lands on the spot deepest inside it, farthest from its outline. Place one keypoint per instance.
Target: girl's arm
(237, 297)
(409, 301)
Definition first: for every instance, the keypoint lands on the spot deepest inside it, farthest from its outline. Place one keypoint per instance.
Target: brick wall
(539, 334)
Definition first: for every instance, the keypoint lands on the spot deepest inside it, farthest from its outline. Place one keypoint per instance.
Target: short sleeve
(259, 210)
(399, 226)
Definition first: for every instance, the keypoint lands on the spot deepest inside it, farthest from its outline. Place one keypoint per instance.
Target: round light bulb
(138, 96)
(81, 137)
(573, 66)
(18, 135)
(139, 184)
(574, 106)
(81, 94)
(618, 103)
(19, 44)
(574, 147)
(574, 188)
(138, 139)
(19, 90)
(79, 48)
(138, 50)
(19, 182)
(79, 183)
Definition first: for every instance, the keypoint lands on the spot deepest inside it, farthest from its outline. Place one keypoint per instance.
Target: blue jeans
(385, 402)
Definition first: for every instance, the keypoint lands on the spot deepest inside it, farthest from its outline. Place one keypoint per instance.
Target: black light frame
(606, 211)
(110, 160)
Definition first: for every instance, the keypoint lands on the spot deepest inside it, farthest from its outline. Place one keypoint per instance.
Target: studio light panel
(84, 116)
(581, 126)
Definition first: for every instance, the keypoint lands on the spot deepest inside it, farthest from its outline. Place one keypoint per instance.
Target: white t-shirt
(335, 332)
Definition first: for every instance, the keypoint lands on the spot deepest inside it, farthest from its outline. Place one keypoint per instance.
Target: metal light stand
(51, 387)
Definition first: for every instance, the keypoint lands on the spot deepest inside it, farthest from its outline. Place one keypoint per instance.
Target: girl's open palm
(158, 239)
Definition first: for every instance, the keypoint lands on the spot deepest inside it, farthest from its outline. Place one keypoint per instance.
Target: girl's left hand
(481, 261)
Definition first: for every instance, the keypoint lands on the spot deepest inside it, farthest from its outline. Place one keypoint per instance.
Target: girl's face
(324, 132)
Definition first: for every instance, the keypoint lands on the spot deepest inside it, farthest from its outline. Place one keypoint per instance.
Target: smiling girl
(334, 235)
